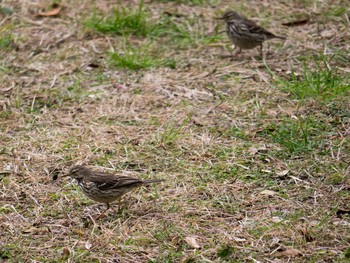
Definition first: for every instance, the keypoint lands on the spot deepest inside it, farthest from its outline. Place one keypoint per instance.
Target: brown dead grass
(217, 169)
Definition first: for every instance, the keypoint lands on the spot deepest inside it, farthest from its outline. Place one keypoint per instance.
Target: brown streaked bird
(105, 187)
(244, 33)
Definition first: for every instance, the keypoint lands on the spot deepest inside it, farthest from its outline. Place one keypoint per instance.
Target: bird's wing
(109, 181)
(253, 28)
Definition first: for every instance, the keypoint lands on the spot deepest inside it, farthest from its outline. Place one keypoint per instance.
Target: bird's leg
(261, 51)
(104, 212)
(119, 203)
(236, 51)
(233, 54)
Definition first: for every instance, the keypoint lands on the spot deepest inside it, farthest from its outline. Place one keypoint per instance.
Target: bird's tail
(153, 181)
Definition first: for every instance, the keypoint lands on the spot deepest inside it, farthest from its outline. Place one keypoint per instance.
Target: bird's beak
(219, 18)
(66, 174)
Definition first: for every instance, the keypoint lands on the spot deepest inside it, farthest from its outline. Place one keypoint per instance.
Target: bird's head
(230, 16)
(78, 172)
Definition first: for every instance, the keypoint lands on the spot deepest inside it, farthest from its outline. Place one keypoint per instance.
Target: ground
(254, 150)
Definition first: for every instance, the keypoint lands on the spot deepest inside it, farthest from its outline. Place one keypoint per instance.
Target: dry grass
(255, 172)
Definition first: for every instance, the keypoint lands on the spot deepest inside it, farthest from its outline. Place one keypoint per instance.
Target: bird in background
(245, 33)
(105, 187)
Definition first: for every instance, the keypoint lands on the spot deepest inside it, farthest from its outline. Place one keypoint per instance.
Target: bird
(245, 33)
(105, 187)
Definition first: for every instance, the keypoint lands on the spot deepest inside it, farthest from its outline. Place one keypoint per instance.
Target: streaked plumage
(105, 187)
(244, 33)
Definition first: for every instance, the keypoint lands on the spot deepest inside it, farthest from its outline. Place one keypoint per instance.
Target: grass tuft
(124, 21)
(301, 135)
(171, 133)
(6, 41)
(136, 58)
(322, 82)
